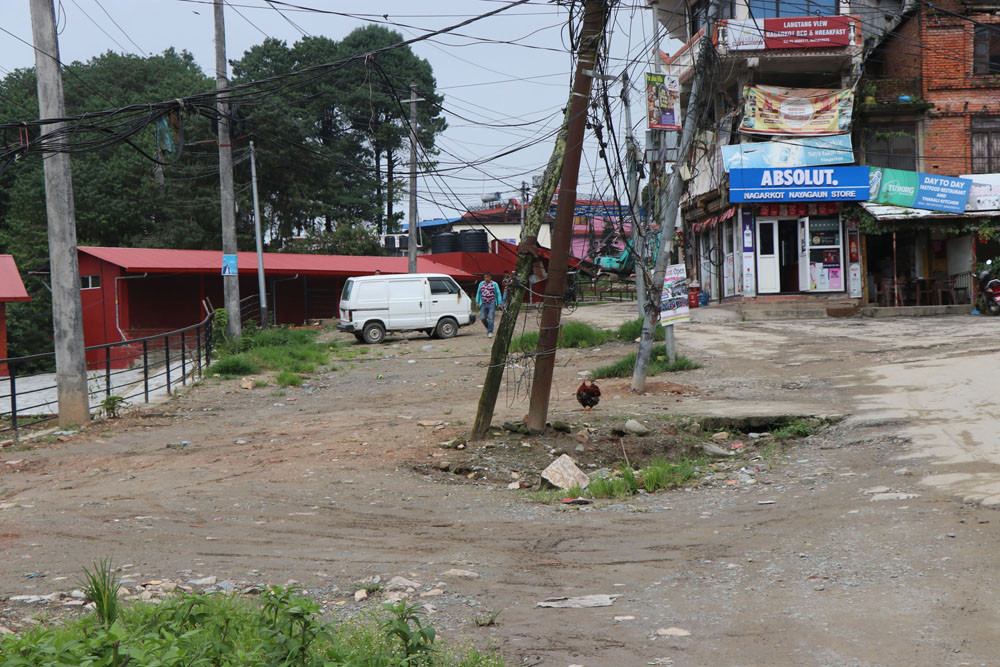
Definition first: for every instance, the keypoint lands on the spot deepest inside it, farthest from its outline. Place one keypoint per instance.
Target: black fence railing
(118, 374)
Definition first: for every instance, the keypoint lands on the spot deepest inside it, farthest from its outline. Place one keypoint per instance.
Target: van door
(369, 300)
(408, 303)
(445, 299)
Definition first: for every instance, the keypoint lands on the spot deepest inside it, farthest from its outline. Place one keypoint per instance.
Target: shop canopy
(705, 225)
(895, 213)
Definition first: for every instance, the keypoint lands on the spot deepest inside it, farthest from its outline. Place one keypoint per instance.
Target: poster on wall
(911, 189)
(984, 195)
(674, 298)
(800, 152)
(229, 265)
(796, 111)
(663, 102)
(749, 278)
(789, 32)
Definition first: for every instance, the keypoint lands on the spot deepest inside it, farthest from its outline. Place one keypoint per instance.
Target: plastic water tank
(473, 240)
(444, 242)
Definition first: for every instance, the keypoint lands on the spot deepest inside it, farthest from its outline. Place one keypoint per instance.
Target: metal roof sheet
(165, 260)
(888, 212)
(11, 287)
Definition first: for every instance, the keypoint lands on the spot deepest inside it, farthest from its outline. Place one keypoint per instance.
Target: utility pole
(260, 240)
(595, 17)
(692, 116)
(414, 232)
(230, 282)
(638, 234)
(67, 312)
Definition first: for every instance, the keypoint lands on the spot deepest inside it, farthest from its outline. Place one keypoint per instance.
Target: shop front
(794, 231)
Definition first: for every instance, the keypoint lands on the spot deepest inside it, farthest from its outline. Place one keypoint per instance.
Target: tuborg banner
(803, 184)
(912, 189)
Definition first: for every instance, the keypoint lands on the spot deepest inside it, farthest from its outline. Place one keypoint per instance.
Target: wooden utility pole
(527, 255)
(594, 19)
(231, 282)
(67, 312)
(692, 116)
(258, 237)
(414, 232)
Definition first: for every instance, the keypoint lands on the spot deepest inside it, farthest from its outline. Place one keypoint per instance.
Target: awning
(709, 223)
(887, 212)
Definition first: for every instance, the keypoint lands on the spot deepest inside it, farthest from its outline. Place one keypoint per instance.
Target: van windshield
(347, 290)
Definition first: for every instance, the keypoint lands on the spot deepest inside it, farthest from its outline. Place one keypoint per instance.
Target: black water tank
(404, 241)
(444, 242)
(473, 240)
(390, 241)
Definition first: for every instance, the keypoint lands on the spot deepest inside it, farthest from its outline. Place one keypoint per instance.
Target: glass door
(822, 246)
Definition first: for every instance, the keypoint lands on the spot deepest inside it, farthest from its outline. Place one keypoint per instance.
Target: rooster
(588, 396)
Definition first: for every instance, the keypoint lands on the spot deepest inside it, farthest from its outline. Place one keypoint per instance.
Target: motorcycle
(989, 291)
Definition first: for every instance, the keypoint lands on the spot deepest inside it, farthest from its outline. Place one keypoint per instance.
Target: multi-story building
(802, 96)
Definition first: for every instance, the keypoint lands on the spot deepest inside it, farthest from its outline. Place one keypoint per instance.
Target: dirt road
(338, 482)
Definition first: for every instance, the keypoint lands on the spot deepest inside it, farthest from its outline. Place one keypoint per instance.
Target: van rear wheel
(446, 328)
(373, 333)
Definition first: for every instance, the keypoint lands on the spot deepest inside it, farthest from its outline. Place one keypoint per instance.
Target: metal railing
(139, 368)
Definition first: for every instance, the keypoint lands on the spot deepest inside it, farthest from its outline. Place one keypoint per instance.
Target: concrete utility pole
(259, 237)
(414, 231)
(692, 116)
(595, 17)
(524, 203)
(230, 283)
(67, 312)
(638, 234)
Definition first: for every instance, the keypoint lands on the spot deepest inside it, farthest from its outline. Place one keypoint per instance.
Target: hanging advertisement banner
(674, 298)
(789, 32)
(749, 276)
(798, 185)
(802, 152)
(663, 102)
(796, 111)
(911, 189)
(985, 192)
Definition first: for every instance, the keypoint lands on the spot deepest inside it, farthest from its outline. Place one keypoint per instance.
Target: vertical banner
(749, 276)
(853, 260)
(674, 298)
(663, 102)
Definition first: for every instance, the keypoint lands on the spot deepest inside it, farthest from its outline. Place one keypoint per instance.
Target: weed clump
(657, 364)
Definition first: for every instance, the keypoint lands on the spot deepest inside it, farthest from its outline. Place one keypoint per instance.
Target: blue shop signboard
(800, 184)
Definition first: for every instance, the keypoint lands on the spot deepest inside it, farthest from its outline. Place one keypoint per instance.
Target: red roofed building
(135, 292)
(11, 289)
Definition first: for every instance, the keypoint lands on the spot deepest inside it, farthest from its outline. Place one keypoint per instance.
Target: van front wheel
(373, 333)
(446, 328)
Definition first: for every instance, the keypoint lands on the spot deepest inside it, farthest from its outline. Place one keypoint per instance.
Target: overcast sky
(523, 80)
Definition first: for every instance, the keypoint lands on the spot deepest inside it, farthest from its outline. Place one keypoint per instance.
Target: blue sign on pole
(229, 265)
(801, 184)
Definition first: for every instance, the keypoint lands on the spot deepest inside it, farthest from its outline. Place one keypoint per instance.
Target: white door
(768, 268)
(407, 303)
(445, 299)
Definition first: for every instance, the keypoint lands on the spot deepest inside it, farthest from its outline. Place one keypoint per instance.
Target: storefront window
(826, 272)
(824, 232)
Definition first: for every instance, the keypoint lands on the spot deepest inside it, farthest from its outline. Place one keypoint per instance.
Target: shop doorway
(788, 255)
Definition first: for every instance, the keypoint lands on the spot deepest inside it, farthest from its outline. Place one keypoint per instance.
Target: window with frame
(986, 145)
(442, 286)
(699, 13)
(891, 146)
(986, 50)
(90, 282)
(769, 9)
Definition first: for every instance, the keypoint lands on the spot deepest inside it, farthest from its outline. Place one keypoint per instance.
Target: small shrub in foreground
(233, 367)
(657, 364)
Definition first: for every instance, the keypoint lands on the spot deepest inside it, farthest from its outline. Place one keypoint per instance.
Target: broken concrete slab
(564, 474)
(581, 602)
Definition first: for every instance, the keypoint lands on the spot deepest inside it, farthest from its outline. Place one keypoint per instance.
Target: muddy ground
(790, 555)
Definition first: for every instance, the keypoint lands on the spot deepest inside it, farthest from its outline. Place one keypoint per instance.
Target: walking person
(487, 296)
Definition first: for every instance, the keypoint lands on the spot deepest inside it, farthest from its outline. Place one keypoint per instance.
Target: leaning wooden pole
(527, 254)
(594, 19)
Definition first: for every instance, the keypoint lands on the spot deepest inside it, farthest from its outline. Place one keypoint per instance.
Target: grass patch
(293, 351)
(657, 364)
(571, 334)
(625, 482)
(282, 628)
(288, 379)
(795, 428)
(632, 329)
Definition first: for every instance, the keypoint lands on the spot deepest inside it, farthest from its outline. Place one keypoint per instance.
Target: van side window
(442, 286)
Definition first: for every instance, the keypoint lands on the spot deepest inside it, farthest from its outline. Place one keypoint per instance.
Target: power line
(127, 36)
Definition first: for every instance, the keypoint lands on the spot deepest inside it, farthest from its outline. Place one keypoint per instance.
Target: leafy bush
(657, 364)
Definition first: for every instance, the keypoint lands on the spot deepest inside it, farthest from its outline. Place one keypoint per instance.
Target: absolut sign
(802, 184)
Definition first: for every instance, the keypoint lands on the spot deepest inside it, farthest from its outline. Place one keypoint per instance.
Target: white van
(428, 302)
